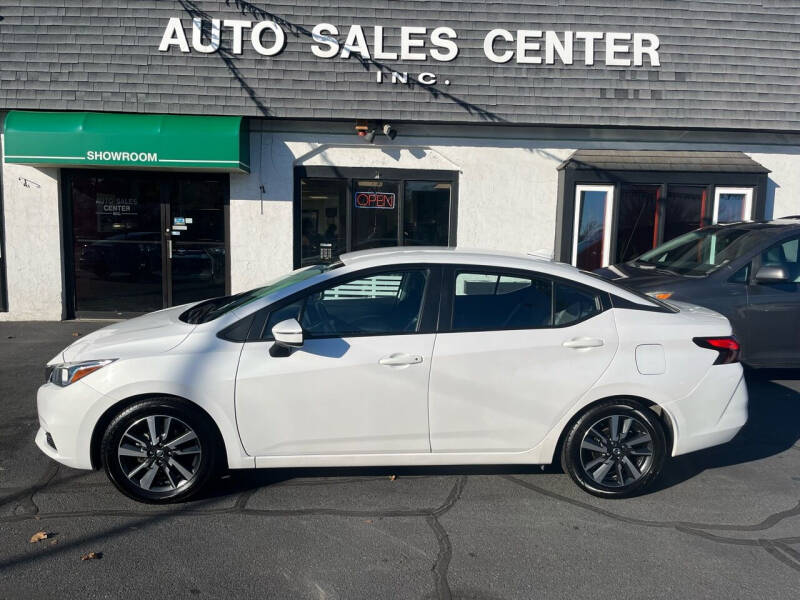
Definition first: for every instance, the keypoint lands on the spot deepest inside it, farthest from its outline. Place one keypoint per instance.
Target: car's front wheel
(160, 450)
(615, 449)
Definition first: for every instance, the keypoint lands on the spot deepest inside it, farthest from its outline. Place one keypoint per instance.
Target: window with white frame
(732, 204)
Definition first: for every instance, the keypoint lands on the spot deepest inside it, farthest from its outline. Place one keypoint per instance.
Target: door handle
(400, 359)
(583, 342)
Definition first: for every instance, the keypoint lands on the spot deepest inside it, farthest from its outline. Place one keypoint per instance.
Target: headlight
(660, 295)
(67, 373)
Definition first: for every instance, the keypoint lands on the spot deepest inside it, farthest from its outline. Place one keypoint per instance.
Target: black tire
(580, 459)
(199, 455)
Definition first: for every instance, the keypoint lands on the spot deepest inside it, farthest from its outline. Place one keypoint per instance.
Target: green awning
(127, 140)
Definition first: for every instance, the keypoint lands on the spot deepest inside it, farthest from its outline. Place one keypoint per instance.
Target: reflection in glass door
(591, 245)
(116, 243)
(196, 243)
(323, 219)
(684, 209)
(375, 214)
(340, 210)
(143, 241)
(637, 221)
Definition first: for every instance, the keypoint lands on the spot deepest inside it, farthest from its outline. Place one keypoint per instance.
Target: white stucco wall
(506, 200)
(33, 244)
(507, 197)
(507, 190)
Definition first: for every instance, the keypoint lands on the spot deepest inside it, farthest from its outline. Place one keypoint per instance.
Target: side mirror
(772, 274)
(288, 334)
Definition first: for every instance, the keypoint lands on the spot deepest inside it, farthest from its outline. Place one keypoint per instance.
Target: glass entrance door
(375, 214)
(116, 243)
(196, 239)
(140, 242)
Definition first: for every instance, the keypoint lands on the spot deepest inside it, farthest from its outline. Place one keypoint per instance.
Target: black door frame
(349, 174)
(68, 236)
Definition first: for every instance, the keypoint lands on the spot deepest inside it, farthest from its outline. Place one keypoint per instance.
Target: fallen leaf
(92, 556)
(392, 477)
(38, 536)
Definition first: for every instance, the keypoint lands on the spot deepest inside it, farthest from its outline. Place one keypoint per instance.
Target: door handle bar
(394, 360)
(578, 343)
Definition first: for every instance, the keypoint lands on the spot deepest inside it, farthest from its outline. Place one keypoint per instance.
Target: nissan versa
(422, 356)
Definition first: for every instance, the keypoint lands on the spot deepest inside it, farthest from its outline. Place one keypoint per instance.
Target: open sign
(375, 200)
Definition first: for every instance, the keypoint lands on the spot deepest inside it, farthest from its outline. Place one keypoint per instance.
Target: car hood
(152, 333)
(641, 279)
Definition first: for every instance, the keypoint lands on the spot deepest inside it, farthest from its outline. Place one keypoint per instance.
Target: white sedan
(424, 356)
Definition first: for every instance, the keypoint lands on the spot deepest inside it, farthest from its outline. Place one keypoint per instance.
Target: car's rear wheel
(160, 450)
(615, 449)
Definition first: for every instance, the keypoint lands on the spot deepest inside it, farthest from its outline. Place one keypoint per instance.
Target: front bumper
(68, 414)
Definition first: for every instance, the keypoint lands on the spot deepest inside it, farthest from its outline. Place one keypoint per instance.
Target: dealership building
(159, 152)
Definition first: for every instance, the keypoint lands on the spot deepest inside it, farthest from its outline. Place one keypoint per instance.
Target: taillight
(728, 348)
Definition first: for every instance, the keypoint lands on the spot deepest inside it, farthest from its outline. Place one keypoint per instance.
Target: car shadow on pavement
(773, 426)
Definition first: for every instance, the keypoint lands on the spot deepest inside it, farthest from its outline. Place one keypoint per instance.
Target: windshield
(211, 309)
(702, 251)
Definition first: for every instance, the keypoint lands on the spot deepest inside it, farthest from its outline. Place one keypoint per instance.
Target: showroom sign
(415, 43)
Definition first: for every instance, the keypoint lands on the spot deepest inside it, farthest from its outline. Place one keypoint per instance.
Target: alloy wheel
(159, 453)
(616, 451)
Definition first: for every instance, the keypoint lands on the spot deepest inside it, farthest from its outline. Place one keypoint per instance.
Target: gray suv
(750, 272)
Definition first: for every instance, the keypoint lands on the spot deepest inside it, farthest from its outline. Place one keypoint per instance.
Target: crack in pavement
(26, 495)
(777, 548)
(430, 514)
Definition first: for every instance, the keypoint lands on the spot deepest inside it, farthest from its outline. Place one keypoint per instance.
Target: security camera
(369, 136)
(389, 131)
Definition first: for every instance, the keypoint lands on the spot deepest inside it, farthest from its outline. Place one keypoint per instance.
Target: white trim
(47, 157)
(190, 160)
(748, 201)
(609, 219)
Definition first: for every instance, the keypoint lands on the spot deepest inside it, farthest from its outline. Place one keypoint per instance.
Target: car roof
(377, 257)
(789, 222)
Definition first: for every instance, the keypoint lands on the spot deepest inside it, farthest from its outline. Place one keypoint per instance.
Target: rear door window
(496, 301)
(574, 304)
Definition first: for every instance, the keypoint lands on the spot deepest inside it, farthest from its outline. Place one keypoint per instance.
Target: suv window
(494, 301)
(380, 304)
(785, 254)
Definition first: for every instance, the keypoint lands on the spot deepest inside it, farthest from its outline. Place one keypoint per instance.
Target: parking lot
(723, 523)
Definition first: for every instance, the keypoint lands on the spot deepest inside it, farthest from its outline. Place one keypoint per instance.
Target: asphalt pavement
(723, 523)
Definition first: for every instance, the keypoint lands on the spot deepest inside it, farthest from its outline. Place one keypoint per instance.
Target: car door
(521, 349)
(773, 310)
(359, 383)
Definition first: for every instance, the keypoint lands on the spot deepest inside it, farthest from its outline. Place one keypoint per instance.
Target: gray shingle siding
(724, 63)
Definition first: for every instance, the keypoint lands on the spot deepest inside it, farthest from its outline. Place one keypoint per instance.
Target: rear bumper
(713, 413)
